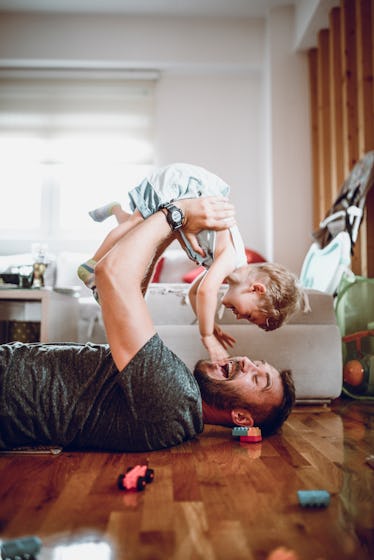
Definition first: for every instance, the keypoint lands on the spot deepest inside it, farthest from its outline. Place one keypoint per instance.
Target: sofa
(309, 345)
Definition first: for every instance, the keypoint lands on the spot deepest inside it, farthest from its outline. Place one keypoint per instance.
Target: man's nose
(253, 365)
(247, 362)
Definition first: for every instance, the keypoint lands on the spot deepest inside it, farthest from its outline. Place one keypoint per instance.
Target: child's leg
(86, 272)
(120, 214)
(119, 231)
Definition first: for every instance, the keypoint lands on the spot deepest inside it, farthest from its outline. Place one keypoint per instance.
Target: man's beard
(218, 393)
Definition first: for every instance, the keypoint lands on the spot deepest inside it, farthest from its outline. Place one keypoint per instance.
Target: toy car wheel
(120, 480)
(140, 483)
(149, 475)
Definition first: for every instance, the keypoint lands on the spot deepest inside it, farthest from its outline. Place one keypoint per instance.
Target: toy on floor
(20, 549)
(247, 434)
(313, 498)
(136, 478)
(358, 372)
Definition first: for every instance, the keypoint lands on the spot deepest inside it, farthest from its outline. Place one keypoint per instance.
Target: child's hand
(216, 351)
(223, 337)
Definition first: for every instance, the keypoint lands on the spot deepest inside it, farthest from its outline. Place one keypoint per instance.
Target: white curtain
(69, 142)
(60, 109)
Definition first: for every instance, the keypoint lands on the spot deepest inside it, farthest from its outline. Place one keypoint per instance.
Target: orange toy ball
(353, 373)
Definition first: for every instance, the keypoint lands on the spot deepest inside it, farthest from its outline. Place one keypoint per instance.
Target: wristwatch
(174, 215)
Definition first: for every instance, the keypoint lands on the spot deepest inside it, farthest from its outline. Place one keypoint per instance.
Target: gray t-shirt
(73, 396)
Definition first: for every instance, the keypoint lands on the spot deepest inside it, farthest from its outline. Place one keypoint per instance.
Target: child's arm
(206, 301)
(222, 336)
(192, 292)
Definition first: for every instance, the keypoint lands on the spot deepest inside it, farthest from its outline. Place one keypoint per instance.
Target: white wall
(288, 146)
(170, 43)
(213, 104)
(207, 121)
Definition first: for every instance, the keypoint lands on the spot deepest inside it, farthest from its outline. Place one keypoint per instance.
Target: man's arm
(121, 272)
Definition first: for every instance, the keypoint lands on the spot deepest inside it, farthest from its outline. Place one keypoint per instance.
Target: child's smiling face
(244, 301)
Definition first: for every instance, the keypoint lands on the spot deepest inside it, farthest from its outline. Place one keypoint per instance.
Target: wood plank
(365, 85)
(365, 72)
(370, 199)
(351, 110)
(350, 101)
(324, 120)
(349, 84)
(229, 540)
(336, 103)
(313, 82)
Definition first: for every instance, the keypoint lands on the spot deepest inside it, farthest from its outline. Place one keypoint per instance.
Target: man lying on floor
(133, 394)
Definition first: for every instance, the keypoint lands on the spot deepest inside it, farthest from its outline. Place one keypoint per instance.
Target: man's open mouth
(227, 369)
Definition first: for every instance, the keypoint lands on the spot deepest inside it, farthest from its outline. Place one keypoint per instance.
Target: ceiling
(219, 8)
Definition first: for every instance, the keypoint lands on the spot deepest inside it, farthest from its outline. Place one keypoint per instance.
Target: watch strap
(168, 209)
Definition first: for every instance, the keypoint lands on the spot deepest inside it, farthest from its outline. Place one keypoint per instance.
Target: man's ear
(258, 287)
(242, 417)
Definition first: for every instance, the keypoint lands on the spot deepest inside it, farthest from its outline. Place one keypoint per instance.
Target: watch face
(176, 215)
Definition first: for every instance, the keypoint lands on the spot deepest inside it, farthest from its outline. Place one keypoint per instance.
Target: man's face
(239, 382)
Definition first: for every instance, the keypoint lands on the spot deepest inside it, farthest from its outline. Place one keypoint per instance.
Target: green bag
(354, 308)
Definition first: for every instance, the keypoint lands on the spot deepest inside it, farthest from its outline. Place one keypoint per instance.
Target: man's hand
(211, 212)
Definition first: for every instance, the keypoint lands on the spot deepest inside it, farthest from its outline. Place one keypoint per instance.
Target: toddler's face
(244, 302)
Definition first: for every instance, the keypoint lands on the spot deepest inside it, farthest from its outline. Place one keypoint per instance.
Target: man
(134, 395)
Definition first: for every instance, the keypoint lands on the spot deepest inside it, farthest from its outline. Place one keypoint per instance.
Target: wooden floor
(213, 498)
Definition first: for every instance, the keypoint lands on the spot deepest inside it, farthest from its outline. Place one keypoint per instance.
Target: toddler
(264, 294)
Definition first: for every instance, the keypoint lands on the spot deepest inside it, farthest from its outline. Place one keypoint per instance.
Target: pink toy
(253, 435)
(135, 478)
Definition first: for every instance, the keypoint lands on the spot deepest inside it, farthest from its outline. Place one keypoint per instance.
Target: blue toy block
(313, 498)
(240, 431)
(24, 547)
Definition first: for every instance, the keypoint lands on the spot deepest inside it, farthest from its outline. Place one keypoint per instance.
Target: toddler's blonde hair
(283, 297)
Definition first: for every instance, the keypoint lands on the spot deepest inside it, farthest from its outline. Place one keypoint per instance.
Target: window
(68, 145)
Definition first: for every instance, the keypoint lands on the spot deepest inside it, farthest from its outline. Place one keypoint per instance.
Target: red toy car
(136, 478)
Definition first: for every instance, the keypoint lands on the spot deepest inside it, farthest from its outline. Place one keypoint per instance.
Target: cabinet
(55, 314)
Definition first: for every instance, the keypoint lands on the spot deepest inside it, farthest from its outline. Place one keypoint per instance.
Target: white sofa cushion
(67, 263)
(311, 352)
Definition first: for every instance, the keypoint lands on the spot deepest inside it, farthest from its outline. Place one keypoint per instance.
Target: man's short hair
(279, 414)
